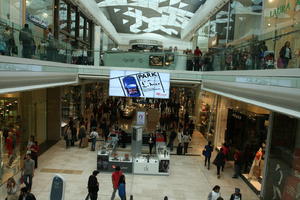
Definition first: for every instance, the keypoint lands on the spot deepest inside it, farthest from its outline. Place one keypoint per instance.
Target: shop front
(241, 126)
(23, 115)
(282, 175)
(281, 25)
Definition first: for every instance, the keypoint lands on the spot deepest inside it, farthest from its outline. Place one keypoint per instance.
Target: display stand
(108, 158)
(57, 188)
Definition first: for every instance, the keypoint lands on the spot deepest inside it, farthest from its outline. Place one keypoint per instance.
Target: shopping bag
(280, 63)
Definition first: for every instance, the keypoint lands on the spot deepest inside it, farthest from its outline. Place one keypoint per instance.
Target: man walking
(115, 180)
(94, 136)
(28, 171)
(93, 185)
(26, 39)
(26, 195)
(173, 136)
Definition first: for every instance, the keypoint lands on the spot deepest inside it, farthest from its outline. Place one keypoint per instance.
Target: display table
(145, 165)
(106, 162)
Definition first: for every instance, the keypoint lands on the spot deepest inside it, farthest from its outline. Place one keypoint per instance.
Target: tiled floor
(188, 179)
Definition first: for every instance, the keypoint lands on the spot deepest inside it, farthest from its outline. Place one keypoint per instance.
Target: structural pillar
(97, 33)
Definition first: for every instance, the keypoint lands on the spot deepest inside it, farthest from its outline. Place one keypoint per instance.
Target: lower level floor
(188, 180)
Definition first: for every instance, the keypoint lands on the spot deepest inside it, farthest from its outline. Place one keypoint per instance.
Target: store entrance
(137, 134)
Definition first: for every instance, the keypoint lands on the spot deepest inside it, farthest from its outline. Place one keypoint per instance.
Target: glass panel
(81, 27)
(10, 138)
(73, 21)
(87, 36)
(63, 16)
(282, 178)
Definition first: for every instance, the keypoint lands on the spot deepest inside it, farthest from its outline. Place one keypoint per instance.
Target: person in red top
(9, 144)
(197, 54)
(115, 180)
(34, 153)
(225, 152)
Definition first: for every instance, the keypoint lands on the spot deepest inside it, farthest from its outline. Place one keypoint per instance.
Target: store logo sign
(280, 10)
(283, 9)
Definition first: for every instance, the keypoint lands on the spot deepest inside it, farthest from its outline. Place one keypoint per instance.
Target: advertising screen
(139, 84)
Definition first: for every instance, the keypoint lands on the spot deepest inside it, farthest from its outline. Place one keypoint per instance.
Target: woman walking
(122, 188)
(208, 149)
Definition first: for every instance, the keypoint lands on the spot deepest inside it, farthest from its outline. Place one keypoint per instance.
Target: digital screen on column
(139, 84)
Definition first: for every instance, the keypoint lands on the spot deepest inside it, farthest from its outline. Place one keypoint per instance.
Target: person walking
(172, 137)
(122, 188)
(186, 140)
(26, 39)
(93, 137)
(26, 195)
(236, 195)
(208, 149)
(93, 186)
(215, 193)
(197, 57)
(12, 189)
(68, 136)
(81, 134)
(115, 180)
(237, 163)
(219, 161)
(34, 153)
(286, 54)
(9, 40)
(151, 142)
(28, 172)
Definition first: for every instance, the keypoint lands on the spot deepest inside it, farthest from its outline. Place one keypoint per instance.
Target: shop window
(81, 27)
(283, 167)
(73, 22)
(63, 16)
(10, 138)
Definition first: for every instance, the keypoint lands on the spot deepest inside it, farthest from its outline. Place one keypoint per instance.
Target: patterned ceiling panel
(166, 17)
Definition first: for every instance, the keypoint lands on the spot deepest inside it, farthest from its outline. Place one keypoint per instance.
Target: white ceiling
(166, 17)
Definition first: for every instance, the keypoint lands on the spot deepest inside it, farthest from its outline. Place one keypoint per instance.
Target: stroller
(269, 60)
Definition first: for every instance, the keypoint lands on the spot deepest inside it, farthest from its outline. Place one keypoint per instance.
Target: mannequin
(256, 163)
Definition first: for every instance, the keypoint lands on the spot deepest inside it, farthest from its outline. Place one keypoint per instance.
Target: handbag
(280, 63)
(203, 152)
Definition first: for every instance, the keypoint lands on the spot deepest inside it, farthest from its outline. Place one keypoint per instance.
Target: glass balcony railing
(247, 57)
(18, 42)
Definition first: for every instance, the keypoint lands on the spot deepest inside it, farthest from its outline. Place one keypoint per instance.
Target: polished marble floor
(188, 179)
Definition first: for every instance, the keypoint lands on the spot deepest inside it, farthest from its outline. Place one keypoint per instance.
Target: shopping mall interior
(145, 85)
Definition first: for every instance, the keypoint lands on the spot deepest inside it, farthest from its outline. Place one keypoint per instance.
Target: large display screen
(139, 84)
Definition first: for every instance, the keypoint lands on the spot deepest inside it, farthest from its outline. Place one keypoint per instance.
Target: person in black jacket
(219, 161)
(26, 195)
(236, 195)
(93, 185)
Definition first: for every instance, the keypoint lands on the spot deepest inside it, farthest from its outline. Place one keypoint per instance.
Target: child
(237, 195)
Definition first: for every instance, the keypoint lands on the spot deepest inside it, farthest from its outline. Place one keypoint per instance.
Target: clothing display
(256, 167)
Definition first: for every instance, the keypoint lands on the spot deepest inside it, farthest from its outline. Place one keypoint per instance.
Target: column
(97, 33)
(53, 113)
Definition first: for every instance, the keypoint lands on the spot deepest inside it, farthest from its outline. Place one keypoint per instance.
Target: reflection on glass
(63, 16)
(73, 21)
(81, 27)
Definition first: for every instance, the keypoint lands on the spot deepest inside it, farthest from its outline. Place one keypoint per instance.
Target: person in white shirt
(215, 193)
(179, 137)
(93, 137)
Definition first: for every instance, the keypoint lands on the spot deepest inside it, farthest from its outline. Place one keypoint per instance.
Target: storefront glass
(246, 12)
(282, 179)
(281, 25)
(207, 117)
(10, 11)
(39, 14)
(10, 136)
(203, 36)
